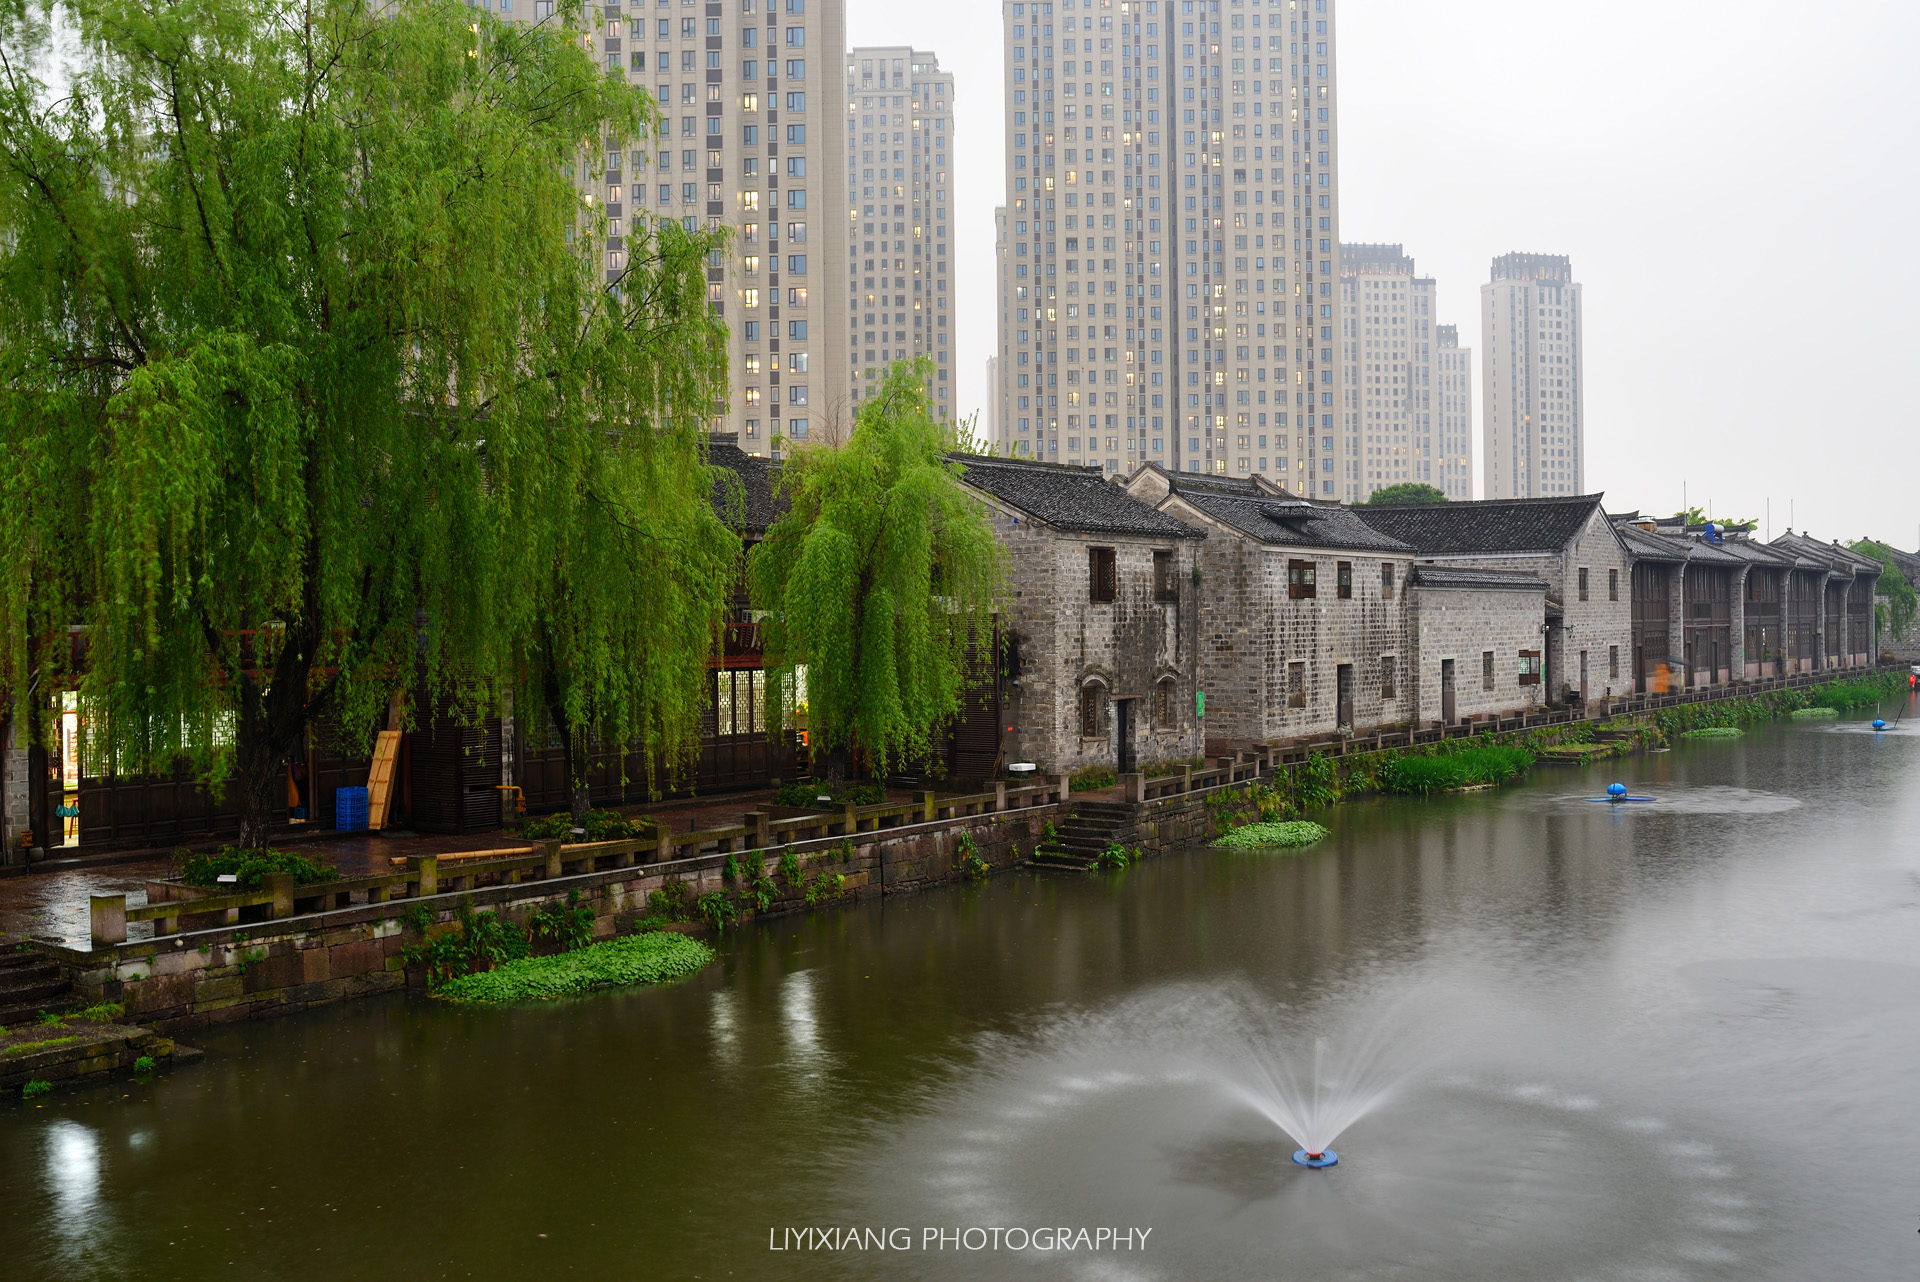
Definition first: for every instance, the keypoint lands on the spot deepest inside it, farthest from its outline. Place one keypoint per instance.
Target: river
(1666, 1040)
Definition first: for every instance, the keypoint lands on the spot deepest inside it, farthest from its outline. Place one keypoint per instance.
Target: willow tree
(321, 377)
(879, 581)
(1897, 603)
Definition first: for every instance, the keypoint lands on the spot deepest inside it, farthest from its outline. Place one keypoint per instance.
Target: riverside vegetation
(1457, 764)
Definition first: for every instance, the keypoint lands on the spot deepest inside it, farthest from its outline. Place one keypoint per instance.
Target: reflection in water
(72, 1166)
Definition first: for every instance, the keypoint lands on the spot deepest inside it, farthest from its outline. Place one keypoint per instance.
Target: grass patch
(251, 866)
(1295, 832)
(649, 958)
(33, 1090)
(99, 1012)
(1486, 764)
(1814, 714)
(22, 1048)
(1714, 732)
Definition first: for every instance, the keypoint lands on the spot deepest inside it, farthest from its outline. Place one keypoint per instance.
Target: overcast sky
(1735, 182)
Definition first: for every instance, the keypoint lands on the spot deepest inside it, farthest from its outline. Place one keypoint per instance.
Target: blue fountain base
(1303, 1158)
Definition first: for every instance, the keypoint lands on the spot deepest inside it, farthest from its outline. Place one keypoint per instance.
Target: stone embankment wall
(204, 977)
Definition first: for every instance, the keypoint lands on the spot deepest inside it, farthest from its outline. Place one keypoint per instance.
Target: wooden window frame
(1583, 583)
(1613, 585)
(1092, 710)
(1530, 667)
(1303, 580)
(1386, 580)
(1388, 668)
(1613, 663)
(1103, 575)
(1166, 583)
(1297, 685)
(1343, 580)
(1486, 670)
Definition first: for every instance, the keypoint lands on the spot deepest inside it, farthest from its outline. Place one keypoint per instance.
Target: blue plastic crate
(350, 809)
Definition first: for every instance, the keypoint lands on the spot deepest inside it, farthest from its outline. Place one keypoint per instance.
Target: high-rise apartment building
(1387, 326)
(1173, 207)
(900, 129)
(1453, 412)
(751, 105)
(1532, 410)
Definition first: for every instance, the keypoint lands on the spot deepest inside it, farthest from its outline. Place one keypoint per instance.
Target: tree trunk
(270, 725)
(836, 768)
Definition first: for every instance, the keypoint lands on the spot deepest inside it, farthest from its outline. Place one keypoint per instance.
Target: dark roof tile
(1452, 576)
(1489, 525)
(1076, 499)
(1256, 511)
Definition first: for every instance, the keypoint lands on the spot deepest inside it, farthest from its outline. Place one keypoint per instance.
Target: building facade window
(1301, 579)
(1343, 579)
(1102, 578)
(1093, 702)
(1486, 669)
(1529, 667)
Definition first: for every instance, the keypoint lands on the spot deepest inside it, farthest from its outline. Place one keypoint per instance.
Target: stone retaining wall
(211, 976)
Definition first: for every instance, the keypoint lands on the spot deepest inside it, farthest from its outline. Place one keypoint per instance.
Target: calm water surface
(1673, 1041)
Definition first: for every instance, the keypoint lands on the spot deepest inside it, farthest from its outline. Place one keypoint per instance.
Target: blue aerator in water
(1879, 724)
(1318, 1161)
(1617, 792)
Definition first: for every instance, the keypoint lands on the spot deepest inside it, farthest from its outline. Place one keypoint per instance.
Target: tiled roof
(1276, 519)
(763, 503)
(1828, 554)
(1486, 526)
(1649, 547)
(1448, 576)
(1078, 499)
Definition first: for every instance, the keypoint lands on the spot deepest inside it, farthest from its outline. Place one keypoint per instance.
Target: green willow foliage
(313, 385)
(879, 579)
(1899, 603)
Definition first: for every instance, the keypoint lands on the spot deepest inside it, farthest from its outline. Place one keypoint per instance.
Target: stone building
(1101, 620)
(1569, 544)
(1711, 605)
(1473, 642)
(1305, 624)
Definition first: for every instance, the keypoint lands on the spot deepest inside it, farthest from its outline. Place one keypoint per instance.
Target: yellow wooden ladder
(380, 778)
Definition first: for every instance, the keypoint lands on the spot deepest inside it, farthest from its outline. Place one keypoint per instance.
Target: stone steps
(29, 985)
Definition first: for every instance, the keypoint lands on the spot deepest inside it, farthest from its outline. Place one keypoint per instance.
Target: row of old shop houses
(1150, 620)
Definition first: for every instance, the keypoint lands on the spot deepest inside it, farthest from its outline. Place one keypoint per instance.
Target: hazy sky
(1735, 182)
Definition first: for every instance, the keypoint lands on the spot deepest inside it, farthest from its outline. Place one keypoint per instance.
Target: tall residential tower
(1173, 207)
(751, 104)
(1387, 324)
(1535, 425)
(900, 126)
(1453, 412)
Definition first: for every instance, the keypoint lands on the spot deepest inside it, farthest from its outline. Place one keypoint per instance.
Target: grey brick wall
(1462, 625)
(1068, 641)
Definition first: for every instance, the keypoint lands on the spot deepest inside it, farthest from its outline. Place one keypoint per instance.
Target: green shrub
(807, 793)
(481, 940)
(1092, 777)
(1117, 856)
(970, 863)
(35, 1089)
(1814, 714)
(251, 866)
(143, 1065)
(1296, 832)
(570, 925)
(1445, 771)
(598, 825)
(648, 958)
(1714, 732)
